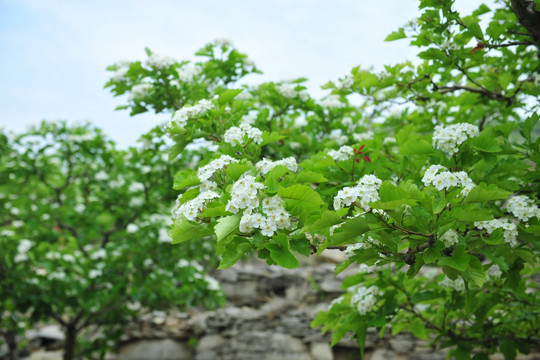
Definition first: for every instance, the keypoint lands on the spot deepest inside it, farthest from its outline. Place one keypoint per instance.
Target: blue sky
(54, 52)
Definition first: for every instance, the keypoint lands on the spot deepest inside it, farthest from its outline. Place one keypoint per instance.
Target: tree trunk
(69, 347)
(11, 341)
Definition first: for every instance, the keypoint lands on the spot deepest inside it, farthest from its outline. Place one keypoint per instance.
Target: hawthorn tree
(430, 183)
(84, 237)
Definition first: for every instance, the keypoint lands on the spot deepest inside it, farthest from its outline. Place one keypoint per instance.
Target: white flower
(523, 208)
(450, 238)
(265, 165)
(101, 176)
(159, 61)
(98, 254)
(213, 284)
(332, 101)
(446, 179)
(132, 228)
(205, 172)
(68, 258)
(187, 112)
(449, 138)
(20, 257)
(24, 246)
(136, 187)
(364, 298)
(509, 229)
(94, 273)
(344, 153)
(364, 192)
(139, 91)
(236, 135)
(192, 208)
(458, 284)
(188, 72)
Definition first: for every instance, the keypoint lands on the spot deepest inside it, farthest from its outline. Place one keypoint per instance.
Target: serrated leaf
(302, 199)
(459, 260)
(226, 96)
(396, 35)
(185, 178)
(470, 213)
(232, 251)
(268, 138)
(280, 252)
(183, 230)
(308, 176)
(226, 226)
(483, 192)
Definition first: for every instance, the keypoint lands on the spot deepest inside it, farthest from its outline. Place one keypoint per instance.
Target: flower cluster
(450, 238)
(188, 72)
(289, 90)
(139, 91)
(365, 298)
(344, 153)
(265, 165)
(159, 61)
(268, 218)
(365, 192)
(458, 284)
(446, 179)
(522, 207)
(22, 249)
(272, 217)
(237, 134)
(205, 172)
(509, 229)
(244, 194)
(332, 101)
(191, 209)
(181, 116)
(449, 138)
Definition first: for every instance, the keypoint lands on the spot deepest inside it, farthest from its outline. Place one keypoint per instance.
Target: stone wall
(267, 317)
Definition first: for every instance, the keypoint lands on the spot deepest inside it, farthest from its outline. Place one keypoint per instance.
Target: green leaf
(396, 35)
(470, 213)
(226, 96)
(418, 329)
(236, 169)
(450, 272)
(482, 9)
(459, 260)
(183, 230)
(416, 145)
(280, 253)
(302, 199)
(185, 178)
(527, 128)
(232, 251)
(268, 138)
(472, 24)
(475, 272)
(485, 143)
(483, 192)
(227, 226)
(308, 176)
(431, 255)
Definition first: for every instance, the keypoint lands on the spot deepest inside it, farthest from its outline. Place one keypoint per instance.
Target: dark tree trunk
(10, 337)
(69, 347)
(529, 18)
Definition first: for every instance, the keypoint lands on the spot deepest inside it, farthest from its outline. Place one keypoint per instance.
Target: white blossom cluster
(523, 208)
(120, 73)
(365, 298)
(205, 172)
(22, 249)
(159, 61)
(346, 82)
(449, 138)
(494, 272)
(182, 115)
(450, 238)
(509, 229)
(139, 91)
(268, 218)
(446, 179)
(188, 72)
(192, 208)
(235, 134)
(368, 135)
(365, 192)
(244, 194)
(458, 284)
(289, 90)
(337, 136)
(266, 165)
(344, 153)
(332, 101)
